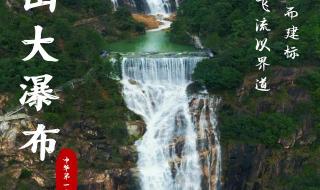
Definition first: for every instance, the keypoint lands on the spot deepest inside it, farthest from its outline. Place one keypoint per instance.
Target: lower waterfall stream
(180, 149)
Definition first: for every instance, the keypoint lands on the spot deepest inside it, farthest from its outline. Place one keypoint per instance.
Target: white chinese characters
(261, 45)
(40, 92)
(52, 4)
(264, 4)
(262, 63)
(291, 52)
(39, 136)
(291, 33)
(262, 25)
(37, 47)
(291, 13)
(261, 85)
(66, 168)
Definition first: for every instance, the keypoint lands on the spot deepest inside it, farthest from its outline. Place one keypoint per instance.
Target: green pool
(150, 42)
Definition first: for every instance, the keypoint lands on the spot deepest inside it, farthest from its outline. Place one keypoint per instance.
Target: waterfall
(155, 7)
(115, 4)
(161, 9)
(159, 6)
(177, 4)
(168, 153)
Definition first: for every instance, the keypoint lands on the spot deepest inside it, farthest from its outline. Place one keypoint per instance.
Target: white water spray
(115, 4)
(155, 88)
(159, 6)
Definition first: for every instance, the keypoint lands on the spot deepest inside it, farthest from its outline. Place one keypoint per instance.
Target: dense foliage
(249, 117)
(311, 82)
(81, 29)
(263, 129)
(77, 46)
(226, 77)
(78, 49)
(228, 28)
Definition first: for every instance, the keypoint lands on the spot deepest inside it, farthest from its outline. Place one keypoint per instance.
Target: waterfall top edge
(168, 54)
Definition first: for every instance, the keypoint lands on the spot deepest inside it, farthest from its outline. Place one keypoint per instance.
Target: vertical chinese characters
(66, 170)
(66, 174)
(261, 46)
(291, 52)
(40, 93)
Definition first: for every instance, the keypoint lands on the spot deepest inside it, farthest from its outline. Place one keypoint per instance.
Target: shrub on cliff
(264, 129)
(228, 28)
(216, 77)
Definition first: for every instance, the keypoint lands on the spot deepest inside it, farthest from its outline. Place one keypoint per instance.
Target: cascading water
(155, 7)
(161, 9)
(155, 88)
(115, 4)
(159, 6)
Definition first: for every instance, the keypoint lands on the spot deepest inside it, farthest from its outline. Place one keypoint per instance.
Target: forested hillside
(90, 113)
(269, 140)
(80, 30)
(278, 130)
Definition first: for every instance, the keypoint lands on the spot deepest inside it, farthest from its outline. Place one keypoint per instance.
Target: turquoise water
(150, 42)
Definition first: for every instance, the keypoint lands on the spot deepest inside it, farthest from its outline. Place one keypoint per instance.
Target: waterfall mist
(159, 6)
(169, 154)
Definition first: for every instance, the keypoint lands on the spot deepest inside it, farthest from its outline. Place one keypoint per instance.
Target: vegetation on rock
(287, 117)
(91, 114)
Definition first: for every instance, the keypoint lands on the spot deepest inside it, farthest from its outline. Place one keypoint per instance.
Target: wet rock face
(258, 167)
(150, 21)
(141, 6)
(136, 128)
(3, 100)
(9, 130)
(238, 165)
(115, 179)
(203, 109)
(15, 164)
(248, 167)
(136, 6)
(195, 88)
(89, 143)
